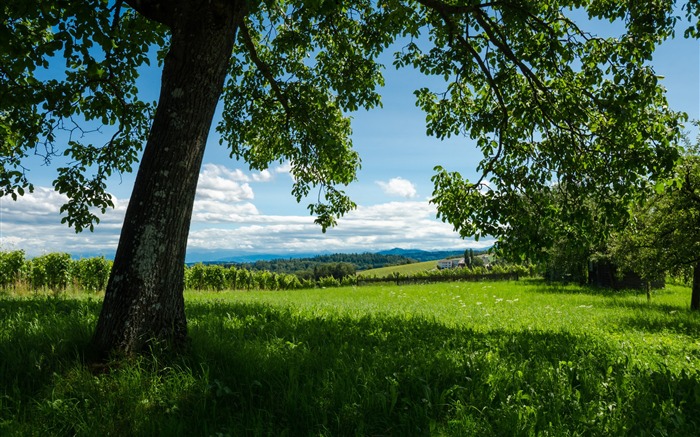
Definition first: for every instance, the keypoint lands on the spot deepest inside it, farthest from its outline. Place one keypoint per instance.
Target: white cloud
(408, 224)
(213, 171)
(218, 183)
(284, 168)
(215, 211)
(399, 187)
(263, 176)
(33, 224)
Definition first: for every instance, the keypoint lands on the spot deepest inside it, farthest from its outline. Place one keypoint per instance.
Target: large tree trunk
(695, 296)
(144, 298)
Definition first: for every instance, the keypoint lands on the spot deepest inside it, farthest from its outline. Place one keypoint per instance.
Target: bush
(92, 274)
(328, 281)
(52, 271)
(214, 278)
(11, 264)
(231, 277)
(348, 281)
(195, 277)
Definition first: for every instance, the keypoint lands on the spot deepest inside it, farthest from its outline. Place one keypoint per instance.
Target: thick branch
(156, 10)
(443, 8)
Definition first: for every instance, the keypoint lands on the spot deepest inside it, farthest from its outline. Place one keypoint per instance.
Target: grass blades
(518, 358)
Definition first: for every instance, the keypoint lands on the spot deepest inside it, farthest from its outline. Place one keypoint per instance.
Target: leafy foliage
(543, 99)
(92, 273)
(217, 278)
(548, 105)
(52, 270)
(101, 47)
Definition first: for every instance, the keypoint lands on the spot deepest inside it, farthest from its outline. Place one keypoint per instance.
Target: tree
(664, 233)
(560, 229)
(542, 98)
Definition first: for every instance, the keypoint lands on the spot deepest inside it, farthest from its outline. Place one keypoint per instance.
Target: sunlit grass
(496, 358)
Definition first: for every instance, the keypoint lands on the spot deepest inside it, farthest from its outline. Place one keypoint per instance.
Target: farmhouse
(450, 263)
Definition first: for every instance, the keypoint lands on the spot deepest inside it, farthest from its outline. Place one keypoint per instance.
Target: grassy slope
(405, 269)
(517, 358)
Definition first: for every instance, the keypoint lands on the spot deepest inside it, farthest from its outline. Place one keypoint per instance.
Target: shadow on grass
(255, 369)
(546, 287)
(648, 316)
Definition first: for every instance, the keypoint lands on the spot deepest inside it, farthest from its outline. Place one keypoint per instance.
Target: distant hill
(424, 255)
(406, 269)
(305, 266)
(309, 265)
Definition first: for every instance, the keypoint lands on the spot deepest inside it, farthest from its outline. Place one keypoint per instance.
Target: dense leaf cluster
(217, 278)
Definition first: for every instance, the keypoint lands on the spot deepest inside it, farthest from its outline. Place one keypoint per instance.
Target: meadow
(403, 269)
(456, 359)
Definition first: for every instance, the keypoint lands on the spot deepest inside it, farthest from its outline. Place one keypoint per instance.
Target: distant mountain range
(220, 257)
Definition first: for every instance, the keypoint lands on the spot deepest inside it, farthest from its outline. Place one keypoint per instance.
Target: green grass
(404, 269)
(497, 358)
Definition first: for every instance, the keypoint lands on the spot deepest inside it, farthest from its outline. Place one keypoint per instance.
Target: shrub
(92, 274)
(348, 281)
(214, 277)
(194, 277)
(11, 264)
(52, 271)
(328, 281)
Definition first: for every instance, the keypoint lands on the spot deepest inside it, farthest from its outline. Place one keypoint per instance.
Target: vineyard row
(58, 272)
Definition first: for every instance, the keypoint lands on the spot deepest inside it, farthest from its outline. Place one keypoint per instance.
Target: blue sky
(239, 212)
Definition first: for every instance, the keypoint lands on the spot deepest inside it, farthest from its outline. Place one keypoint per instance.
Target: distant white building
(450, 263)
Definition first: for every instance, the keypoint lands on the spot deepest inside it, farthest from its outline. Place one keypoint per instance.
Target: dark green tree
(543, 99)
(664, 232)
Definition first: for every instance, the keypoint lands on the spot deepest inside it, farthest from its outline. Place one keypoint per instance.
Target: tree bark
(144, 298)
(695, 296)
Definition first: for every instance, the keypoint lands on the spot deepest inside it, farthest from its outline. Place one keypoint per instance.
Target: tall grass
(518, 358)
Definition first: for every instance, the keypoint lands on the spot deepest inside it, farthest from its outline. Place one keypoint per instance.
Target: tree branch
(263, 68)
(156, 10)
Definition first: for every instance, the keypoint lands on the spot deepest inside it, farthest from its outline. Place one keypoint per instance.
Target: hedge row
(58, 271)
(53, 271)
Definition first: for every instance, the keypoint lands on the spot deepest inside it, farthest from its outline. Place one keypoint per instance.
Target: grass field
(458, 359)
(404, 269)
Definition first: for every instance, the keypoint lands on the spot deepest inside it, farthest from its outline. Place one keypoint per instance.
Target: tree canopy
(544, 100)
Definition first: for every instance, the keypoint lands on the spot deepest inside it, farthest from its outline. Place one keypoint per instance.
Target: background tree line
(307, 267)
(339, 265)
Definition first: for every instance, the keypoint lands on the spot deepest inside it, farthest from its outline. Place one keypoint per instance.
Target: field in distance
(405, 269)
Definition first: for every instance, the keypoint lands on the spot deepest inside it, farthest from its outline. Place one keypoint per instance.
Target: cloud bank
(225, 219)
